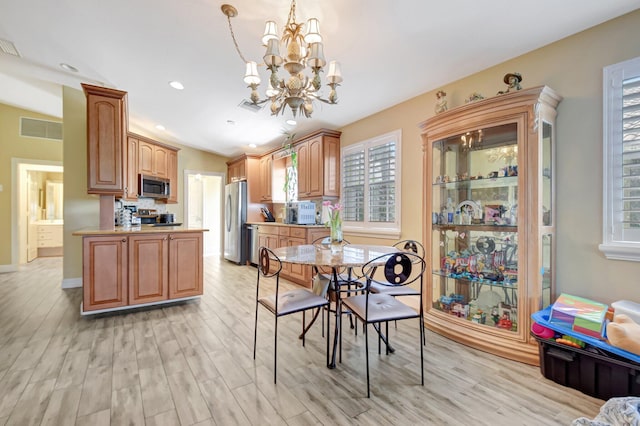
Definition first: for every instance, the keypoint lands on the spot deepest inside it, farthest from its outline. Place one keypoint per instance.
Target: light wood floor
(192, 364)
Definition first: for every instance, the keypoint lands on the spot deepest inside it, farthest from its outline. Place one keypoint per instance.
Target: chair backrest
(411, 246)
(269, 265)
(395, 270)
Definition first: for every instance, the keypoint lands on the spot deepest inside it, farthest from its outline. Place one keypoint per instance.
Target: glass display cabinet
(489, 220)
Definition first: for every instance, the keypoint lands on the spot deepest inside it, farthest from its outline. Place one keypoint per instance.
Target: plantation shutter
(353, 177)
(382, 182)
(630, 182)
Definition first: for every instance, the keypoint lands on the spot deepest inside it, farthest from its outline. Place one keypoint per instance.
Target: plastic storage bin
(595, 374)
(630, 309)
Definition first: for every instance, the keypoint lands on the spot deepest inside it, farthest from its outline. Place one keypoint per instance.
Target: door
(33, 203)
(185, 265)
(148, 268)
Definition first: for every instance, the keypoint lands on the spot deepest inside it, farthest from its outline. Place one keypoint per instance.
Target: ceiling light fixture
(252, 145)
(176, 85)
(160, 127)
(298, 91)
(291, 122)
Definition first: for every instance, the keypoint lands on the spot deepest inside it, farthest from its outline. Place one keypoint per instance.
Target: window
(371, 186)
(621, 150)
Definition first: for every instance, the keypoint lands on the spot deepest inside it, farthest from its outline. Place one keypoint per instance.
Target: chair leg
(303, 326)
(421, 352)
(275, 350)
(328, 328)
(255, 332)
(386, 331)
(366, 352)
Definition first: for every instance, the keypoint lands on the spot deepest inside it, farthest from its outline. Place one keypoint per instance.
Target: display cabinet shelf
(488, 169)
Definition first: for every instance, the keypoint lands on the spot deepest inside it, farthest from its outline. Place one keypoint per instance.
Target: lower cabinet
(129, 270)
(278, 235)
(104, 272)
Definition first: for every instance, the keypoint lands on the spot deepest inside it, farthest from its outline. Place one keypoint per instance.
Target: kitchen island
(127, 267)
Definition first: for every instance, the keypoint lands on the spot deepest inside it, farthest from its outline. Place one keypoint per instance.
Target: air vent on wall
(7, 47)
(35, 128)
(250, 106)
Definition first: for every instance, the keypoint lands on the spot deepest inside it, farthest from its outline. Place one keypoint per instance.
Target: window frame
(391, 230)
(614, 246)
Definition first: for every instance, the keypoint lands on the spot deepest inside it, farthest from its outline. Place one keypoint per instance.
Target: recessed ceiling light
(231, 122)
(252, 145)
(68, 67)
(176, 85)
(291, 122)
(160, 127)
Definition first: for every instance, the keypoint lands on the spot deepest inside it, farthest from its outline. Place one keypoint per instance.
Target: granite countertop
(285, 224)
(141, 229)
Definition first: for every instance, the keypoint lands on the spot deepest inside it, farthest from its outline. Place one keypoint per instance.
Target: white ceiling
(389, 52)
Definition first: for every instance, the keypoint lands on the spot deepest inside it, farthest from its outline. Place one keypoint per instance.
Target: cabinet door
(303, 170)
(315, 169)
(185, 265)
(106, 127)
(131, 189)
(145, 158)
(297, 272)
(160, 162)
(148, 268)
(265, 177)
(104, 272)
(331, 161)
(173, 177)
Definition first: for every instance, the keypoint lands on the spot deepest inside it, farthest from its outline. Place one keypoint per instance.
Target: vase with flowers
(335, 224)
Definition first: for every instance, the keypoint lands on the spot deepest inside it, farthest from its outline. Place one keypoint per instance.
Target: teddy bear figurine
(624, 333)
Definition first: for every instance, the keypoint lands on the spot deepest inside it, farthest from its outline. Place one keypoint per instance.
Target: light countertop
(284, 224)
(141, 229)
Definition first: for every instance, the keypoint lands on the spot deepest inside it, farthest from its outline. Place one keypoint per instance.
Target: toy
(570, 341)
(624, 333)
(542, 331)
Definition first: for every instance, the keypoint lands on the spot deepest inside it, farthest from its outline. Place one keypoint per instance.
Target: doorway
(38, 206)
(203, 207)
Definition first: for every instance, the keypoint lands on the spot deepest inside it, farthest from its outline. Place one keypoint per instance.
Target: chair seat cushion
(393, 290)
(382, 307)
(293, 301)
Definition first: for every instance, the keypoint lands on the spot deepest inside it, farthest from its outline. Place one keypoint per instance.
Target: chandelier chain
(235, 43)
(292, 13)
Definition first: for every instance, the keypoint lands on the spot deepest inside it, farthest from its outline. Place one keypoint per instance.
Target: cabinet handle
(171, 237)
(124, 240)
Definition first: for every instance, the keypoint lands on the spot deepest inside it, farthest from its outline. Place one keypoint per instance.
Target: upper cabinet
(489, 220)
(149, 157)
(237, 169)
(115, 157)
(319, 165)
(266, 171)
(106, 140)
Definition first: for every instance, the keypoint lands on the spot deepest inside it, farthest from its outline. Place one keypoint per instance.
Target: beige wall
(12, 145)
(82, 210)
(573, 67)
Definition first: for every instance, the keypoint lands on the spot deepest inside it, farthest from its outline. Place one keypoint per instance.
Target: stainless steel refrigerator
(235, 216)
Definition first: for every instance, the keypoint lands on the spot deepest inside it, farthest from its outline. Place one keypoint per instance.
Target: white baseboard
(72, 282)
(8, 268)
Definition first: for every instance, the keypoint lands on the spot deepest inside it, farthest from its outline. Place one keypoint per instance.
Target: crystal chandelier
(303, 51)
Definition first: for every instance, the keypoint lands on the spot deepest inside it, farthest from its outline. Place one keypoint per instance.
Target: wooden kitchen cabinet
(237, 169)
(131, 187)
(106, 140)
(148, 268)
(265, 190)
(140, 268)
(319, 165)
(104, 272)
(173, 177)
(153, 159)
(185, 265)
(279, 235)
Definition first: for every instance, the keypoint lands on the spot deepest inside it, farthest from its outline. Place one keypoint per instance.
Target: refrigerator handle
(228, 213)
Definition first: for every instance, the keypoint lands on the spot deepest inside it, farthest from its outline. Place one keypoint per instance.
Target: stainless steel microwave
(153, 187)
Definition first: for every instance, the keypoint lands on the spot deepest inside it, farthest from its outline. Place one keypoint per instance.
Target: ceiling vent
(250, 106)
(34, 128)
(7, 47)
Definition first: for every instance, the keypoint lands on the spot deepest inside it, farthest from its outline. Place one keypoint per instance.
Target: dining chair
(410, 246)
(396, 270)
(282, 303)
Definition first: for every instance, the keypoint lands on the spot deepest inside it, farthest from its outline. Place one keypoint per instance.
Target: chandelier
(303, 51)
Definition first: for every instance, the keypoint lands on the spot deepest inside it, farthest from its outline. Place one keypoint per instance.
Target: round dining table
(349, 258)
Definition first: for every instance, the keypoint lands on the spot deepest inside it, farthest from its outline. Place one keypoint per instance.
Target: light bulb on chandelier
(298, 91)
